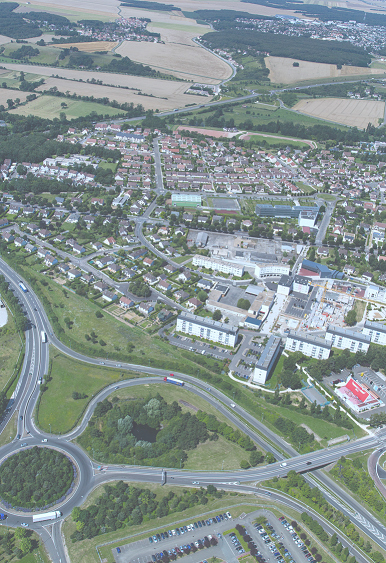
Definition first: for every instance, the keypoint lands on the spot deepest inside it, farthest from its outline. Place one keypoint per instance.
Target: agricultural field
(150, 92)
(354, 113)
(6, 94)
(282, 70)
(90, 47)
(189, 62)
(75, 10)
(50, 107)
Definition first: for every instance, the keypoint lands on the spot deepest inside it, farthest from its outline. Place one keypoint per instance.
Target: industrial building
(207, 329)
(311, 346)
(293, 212)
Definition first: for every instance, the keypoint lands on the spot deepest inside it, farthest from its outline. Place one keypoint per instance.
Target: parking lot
(146, 551)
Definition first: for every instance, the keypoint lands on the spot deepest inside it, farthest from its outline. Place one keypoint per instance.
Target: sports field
(282, 70)
(354, 113)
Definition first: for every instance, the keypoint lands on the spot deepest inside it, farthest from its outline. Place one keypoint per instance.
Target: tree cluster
(35, 478)
(297, 434)
(14, 25)
(139, 288)
(124, 505)
(217, 427)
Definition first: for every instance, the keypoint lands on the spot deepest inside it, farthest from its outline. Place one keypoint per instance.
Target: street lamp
(222, 468)
(180, 462)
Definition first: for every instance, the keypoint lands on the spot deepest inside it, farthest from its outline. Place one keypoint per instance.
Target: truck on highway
(44, 336)
(23, 287)
(174, 381)
(46, 516)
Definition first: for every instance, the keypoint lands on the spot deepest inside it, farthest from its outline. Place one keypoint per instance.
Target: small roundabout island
(36, 479)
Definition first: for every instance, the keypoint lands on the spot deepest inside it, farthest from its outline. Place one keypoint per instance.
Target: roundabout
(90, 474)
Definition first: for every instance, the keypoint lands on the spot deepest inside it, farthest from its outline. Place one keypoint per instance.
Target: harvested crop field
(50, 107)
(189, 62)
(282, 70)
(7, 94)
(354, 113)
(169, 95)
(89, 47)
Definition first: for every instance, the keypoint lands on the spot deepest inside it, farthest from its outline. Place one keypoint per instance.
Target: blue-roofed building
(320, 270)
(251, 322)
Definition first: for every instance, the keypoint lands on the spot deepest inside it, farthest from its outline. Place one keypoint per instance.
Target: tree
(243, 304)
(351, 318)
(255, 458)
(270, 458)
(20, 533)
(216, 315)
(202, 295)
(334, 539)
(26, 545)
(244, 464)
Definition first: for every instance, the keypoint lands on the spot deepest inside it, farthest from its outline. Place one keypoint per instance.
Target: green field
(58, 411)
(10, 346)
(49, 107)
(275, 140)
(207, 456)
(46, 56)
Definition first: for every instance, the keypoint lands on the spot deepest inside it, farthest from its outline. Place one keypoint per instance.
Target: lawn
(276, 140)
(147, 350)
(10, 346)
(181, 259)
(208, 456)
(9, 432)
(58, 412)
(305, 188)
(108, 166)
(49, 107)
(359, 307)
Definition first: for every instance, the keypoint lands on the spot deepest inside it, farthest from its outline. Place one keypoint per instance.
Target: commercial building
(307, 218)
(271, 270)
(267, 360)
(376, 332)
(358, 397)
(207, 329)
(223, 266)
(344, 338)
(311, 269)
(186, 200)
(293, 212)
(301, 285)
(311, 346)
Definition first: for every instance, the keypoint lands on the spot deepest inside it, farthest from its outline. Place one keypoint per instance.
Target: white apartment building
(311, 346)
(343, 338)
(207, 329)
(223, 266)
(271, 270)
(267, 360)
(301, 285)
(376, 332)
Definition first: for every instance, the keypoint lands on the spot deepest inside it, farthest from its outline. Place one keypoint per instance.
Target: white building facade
(271, 270)
(207, 329)
(376, 332)
(265, 364)
(309, 345)
(347, 339)
(223, 266)
(301, 285)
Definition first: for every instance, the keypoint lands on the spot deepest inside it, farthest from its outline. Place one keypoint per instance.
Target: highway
(35, 366)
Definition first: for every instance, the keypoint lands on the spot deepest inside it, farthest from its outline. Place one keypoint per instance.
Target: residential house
(110, 241)
(50, 260)
(193, 303)
(30, 248)
(7, 236)
(145, 308)
(109, 296)
(185, 276)
(97, 245)
(20, 242)
(148, 261)
(74, 274)
(150, 279)
(126, 303)
(165, 285)
(100, 286)
(181, 295)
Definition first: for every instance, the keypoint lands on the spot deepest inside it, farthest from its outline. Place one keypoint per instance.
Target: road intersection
(35, 366)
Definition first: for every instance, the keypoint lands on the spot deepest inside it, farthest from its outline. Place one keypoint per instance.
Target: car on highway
(20, 417)
(23, 444)
(18, 437)
(118, 366)
(116, 387)
(171, 374)
(44, 440)
(309, 463)
(283, 464)
(24, 525)
(102, 363)
(195, 483)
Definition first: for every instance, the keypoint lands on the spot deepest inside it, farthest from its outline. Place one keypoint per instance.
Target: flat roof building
(293, 212)
(346, 339)
(376, 332)
(284, 285)
(271, 270)
(207, 329)
(311, 346)
(220, 265)
(267, 360)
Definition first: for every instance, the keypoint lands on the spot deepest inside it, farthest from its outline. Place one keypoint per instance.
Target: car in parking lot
(118, 550)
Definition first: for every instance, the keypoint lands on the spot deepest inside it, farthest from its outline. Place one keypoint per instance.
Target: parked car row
(297, 540)
(273, 548)
(237, 545)
(180, 531)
